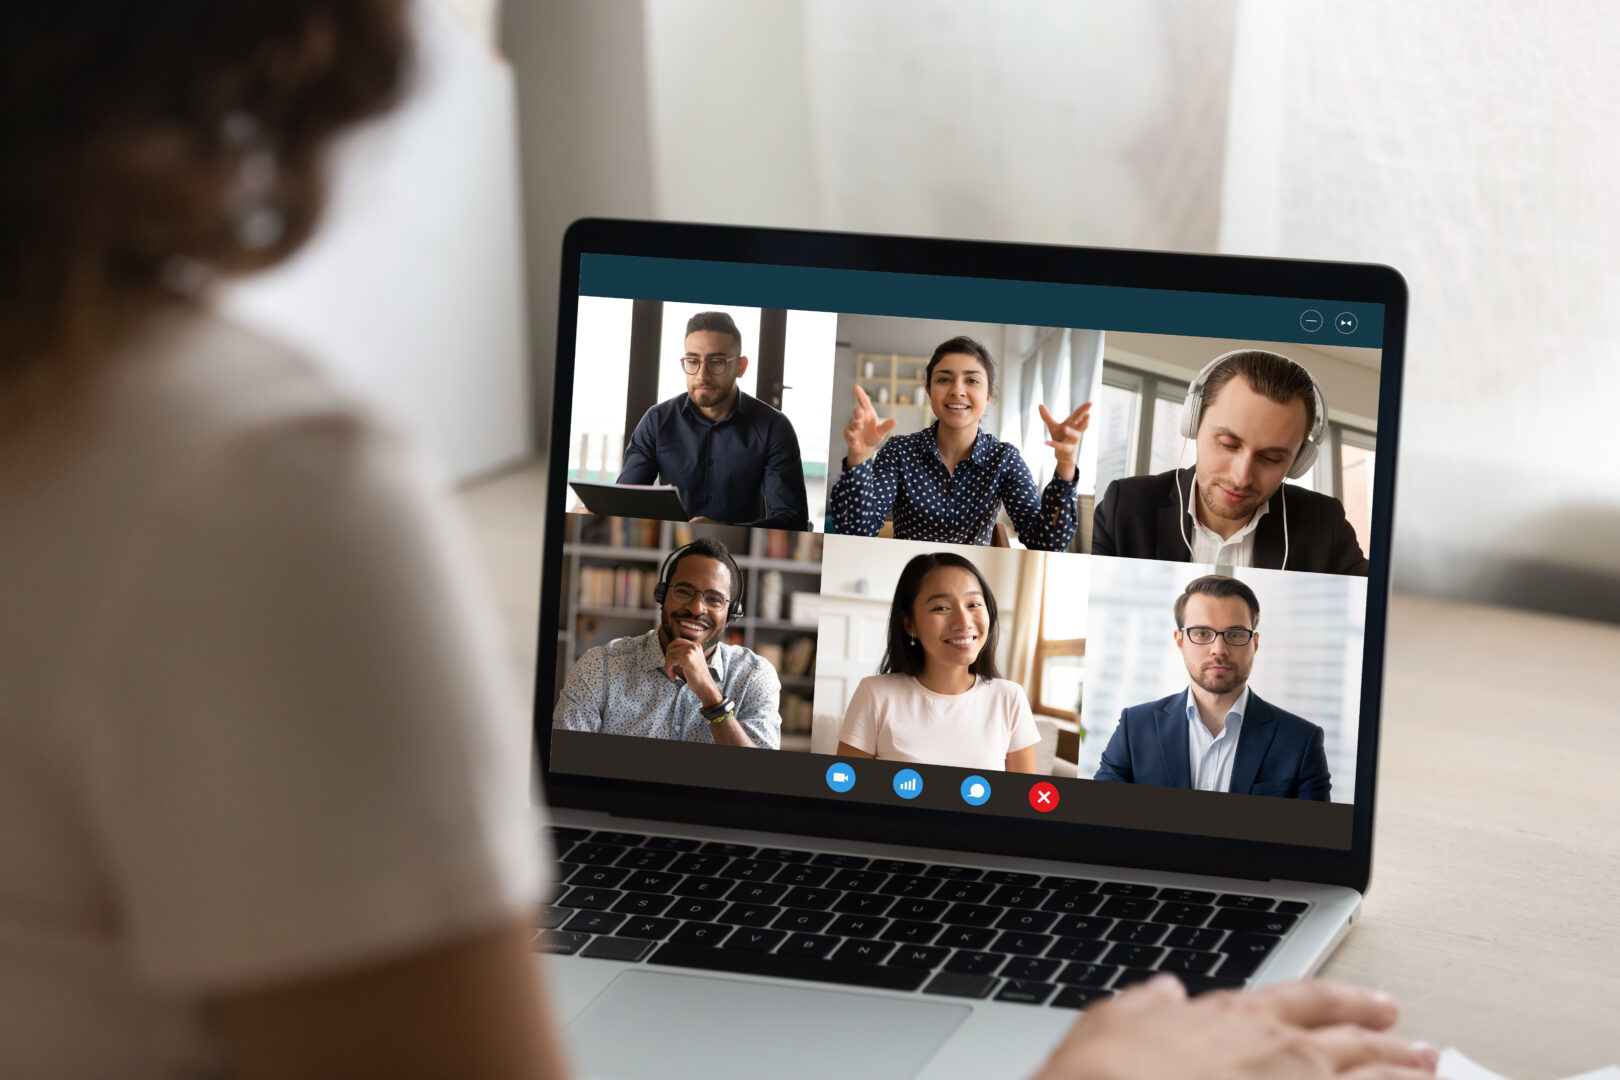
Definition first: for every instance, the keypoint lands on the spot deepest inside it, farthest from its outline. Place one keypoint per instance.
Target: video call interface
(1074, 574)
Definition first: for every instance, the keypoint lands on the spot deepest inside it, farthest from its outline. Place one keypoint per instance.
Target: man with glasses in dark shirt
(1218, 735)
(733, 458)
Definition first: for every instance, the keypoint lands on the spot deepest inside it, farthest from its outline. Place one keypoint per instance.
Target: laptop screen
(1025, 549)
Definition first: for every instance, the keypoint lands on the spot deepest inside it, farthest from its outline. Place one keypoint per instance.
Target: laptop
(1164, 757)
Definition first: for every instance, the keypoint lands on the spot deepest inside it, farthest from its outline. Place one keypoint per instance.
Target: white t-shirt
(256, 720)
(899, 719)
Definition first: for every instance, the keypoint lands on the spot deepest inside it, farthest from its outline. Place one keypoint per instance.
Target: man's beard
(1219, 507)
(672, 633)
(1221, 683)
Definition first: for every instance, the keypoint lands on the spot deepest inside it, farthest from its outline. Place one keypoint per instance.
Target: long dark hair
(902, 657)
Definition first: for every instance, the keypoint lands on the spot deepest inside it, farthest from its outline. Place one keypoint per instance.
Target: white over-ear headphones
(1193, 409)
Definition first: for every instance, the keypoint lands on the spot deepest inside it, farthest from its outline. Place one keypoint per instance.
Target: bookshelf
(610, 566)
(896, 386)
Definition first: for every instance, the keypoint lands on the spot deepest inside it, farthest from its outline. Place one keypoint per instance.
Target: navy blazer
(1278, 753)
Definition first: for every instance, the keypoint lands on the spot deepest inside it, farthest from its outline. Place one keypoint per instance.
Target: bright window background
(1066, 599)
(807, 371)
(1309, 662)
(601, 382)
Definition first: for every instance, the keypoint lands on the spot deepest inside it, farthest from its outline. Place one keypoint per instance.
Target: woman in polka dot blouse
(946, 483)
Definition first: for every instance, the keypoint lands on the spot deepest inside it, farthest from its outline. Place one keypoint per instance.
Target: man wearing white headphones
(680, 680)
(1258, 418)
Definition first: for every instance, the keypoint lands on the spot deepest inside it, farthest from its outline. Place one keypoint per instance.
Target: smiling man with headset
(680, 681)
(1258, 418)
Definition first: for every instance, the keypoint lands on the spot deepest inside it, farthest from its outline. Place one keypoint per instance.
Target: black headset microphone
(1192, 410)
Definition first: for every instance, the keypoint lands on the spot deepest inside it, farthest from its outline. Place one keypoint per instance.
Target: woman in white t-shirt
(939, 698)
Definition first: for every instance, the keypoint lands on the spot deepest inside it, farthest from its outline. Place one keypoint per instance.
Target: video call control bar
(1318, 321)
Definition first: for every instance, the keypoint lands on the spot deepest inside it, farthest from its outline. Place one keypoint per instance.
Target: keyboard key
(757, 892)
(705, 865)
(1020, 896)
(671, 843)
(640, 903)
(803, 874)
(1133, 975)
(895, 866)
(800, 919)
(1025, 992)
(909, 885)
(750, 914)
(617, 948)
(917, 956)
(840, 861)
(1186, 962)
(1069, 884)
(973, 915)
(647, 927)
(623, 839)
(594, 899)
(560, 942)
(1183, 914)
(594, 854)
(1186, 896)
(862, 881)
(1083, 974)
(1034, 922)
(1246, 903)
(813, 899)
(744, 962)
(1292, 907)
(564, 834)
(964, 892)
(816, 945)
(909, 908)
(1016, 941)
(783, 854)
(603, 877)
(966, 937)
(1203, 984)
(651, 881)
(1127, 907)
(1126, 888)
(1068, 948)
(863, 952)
(704, 888)
(863, 903)
(858, 926)
(593, 922)
(911, 933)
(549, 916)
(647, 859)
(695, 910)
(1245, 953)
(1191, 937)
(707, 934)
(974, 963)
(746, 869)
(1142, 956)
(1072, 903)
(956, 984)
(754, 939)
(736, 851)
(1137, 933)
(1253, 922)
(954, 873)
(554, 887)
(1030, 968)
(1011, 877)
(1078, 997)
(1082, 926)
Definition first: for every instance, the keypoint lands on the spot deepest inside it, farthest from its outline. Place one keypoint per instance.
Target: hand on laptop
(1309, 1029)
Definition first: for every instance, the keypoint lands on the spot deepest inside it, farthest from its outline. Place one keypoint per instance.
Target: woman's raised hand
(1065, 440)
(865, 430)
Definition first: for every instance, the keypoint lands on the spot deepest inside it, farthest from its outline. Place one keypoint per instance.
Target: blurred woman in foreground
(262, 779)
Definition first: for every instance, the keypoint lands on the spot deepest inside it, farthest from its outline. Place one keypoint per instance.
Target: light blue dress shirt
(1211, 756)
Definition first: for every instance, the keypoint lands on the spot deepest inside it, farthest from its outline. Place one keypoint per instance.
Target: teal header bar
(969, 299)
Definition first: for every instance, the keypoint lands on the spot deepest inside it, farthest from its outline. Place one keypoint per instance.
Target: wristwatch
(719, 710)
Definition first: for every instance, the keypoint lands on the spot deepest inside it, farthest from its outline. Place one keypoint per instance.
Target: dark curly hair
(129, 128)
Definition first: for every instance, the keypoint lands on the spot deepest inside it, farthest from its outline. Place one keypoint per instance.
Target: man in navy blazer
(1218, 735)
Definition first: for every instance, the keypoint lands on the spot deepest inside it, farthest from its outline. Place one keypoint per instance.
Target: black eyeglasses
(685, 594)
(1236, 636)
(715, 364)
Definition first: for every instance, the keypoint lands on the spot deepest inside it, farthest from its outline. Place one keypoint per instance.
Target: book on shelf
(617, 531)
(771, 653)
(797, 656)
(796, 711)
(613, 586)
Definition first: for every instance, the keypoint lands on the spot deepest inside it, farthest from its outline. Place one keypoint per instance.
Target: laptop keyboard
(895, 924)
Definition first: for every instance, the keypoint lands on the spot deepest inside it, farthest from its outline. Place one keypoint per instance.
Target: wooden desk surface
(1494, 911)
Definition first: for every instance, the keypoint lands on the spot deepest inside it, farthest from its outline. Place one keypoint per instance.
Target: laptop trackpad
(649, 1024)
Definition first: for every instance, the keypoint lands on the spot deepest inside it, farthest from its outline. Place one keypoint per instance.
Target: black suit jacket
(1140, 517)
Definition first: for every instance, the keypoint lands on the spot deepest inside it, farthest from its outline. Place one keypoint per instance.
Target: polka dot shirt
(620, 689)
(929, 503)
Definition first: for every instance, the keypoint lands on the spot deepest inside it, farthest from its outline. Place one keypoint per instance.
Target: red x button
(1043, 797)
